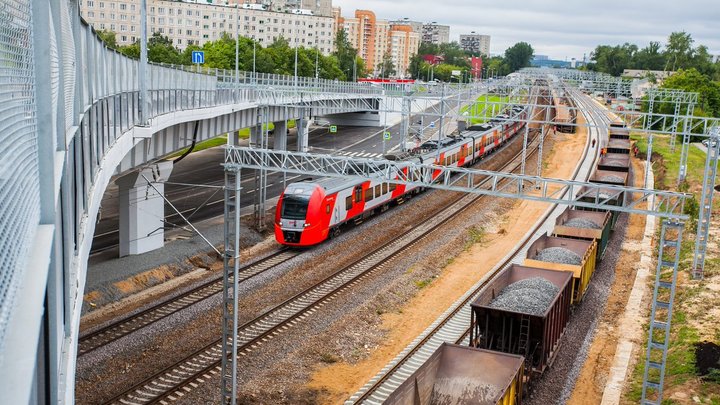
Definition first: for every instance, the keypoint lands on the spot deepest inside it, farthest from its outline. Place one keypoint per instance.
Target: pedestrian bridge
(74, 113)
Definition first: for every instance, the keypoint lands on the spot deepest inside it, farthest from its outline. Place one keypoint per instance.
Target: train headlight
(279, 223)
(306, 225)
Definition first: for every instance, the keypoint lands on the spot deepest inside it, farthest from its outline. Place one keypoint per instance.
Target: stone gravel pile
(559, 255)
(582, 223)
(529, 296)
(612, 178)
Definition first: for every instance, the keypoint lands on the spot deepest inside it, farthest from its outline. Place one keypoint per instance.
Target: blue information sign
(198, 57)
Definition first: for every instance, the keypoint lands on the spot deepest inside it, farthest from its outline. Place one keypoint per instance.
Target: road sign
(386, 135)
(198, 57)
(432, 124)
(333, 129)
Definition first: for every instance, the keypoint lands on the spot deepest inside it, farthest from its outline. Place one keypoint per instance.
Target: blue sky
(559, 28)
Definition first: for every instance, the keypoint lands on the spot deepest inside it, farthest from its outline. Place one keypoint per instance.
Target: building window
(124, 38)
(161, 10)
(90, 3)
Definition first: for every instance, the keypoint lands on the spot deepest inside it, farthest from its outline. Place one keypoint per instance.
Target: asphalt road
(201, 169)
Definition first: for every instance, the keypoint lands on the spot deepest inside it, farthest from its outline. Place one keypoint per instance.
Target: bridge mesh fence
(19, 189)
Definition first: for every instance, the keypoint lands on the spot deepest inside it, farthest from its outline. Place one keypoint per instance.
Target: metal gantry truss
(573, 193)
(661, 312)
(706, 204)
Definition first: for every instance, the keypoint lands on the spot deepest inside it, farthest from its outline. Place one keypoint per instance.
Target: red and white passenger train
(310, 212)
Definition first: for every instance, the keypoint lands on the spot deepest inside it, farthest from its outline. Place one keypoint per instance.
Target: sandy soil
(341, 379)
(591, 382)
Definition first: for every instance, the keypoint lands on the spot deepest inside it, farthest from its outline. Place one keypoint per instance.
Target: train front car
(299, 217)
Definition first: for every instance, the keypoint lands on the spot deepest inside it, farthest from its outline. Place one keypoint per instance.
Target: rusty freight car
(585, 225)
(464, 376)
(524, 327)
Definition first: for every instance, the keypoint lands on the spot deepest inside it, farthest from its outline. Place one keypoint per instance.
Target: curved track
(173, 382)
(126, 326)
(453, 325)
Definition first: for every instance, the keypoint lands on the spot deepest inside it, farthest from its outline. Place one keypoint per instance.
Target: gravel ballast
(612, 178)
(614, 163)
(559, 255)
(582, 223)
(529, 296)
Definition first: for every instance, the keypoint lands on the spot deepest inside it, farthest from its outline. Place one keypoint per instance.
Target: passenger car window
(377, 190)
(348, 203)
(368, 194)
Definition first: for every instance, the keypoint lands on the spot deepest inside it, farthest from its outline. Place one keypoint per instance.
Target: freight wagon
(615, 162)
(564, 254)
(528, 318)
(609, 177)
(464, 376)
(585, 225)
(588, 195)
(619, 146)
(620, 133)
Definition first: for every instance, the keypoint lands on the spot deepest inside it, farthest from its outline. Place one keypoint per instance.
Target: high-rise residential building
(475, 43)
(416, 26)
(434, 33)
(195, 23)
(375, 38)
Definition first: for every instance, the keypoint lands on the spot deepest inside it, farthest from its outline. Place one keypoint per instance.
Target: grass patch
(329, 358)
(475, 235)
(420, 284)
(661, 146)
(486, 107)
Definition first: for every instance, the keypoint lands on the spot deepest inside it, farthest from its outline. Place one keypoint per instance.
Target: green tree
(692, 80)
(679, 51)
(108, 37)
(162, 50)
(346, 56)
(518, 56)
(387, 67)
(649, 58)
(613, 59)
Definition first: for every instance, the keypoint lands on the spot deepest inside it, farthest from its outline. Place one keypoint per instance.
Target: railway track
(175, 381)
(453, 325)
(162, 310)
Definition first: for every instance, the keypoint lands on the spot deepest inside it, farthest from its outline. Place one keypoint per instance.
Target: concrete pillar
(303, 128)
(255, 136)
(280, 135)
(142, 209)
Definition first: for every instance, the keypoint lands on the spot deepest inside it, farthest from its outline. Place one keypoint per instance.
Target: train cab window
(368, 194)
(384, 188)
(294, 207)
(358, 194)
(377, 190)
(348, 203)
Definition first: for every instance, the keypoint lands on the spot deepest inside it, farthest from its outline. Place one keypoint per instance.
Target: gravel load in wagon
(609, 177)
(619, 133)
(616, 162)
(613, 179)
(529, 296)
(585, 225)
(565, 254)
(582, 223)
(507, 325)
(559, 255)
(602, 195)
(463, 375)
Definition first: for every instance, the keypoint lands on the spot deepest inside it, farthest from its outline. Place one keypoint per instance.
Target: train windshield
(294, 207)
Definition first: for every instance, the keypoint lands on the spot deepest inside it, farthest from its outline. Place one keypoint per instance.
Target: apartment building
(195, 23)
(375, 38)
(434, 33)
(475, 43)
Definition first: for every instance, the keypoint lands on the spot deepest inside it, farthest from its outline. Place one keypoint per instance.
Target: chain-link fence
(19, 189)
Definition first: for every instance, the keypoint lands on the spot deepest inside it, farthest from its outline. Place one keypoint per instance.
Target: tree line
(678, 53)
(277, 58)
(456, 59)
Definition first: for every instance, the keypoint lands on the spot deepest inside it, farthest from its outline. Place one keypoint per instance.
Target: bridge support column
(255, 136)
(142, 209)
(280, 135)
(303, 128)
